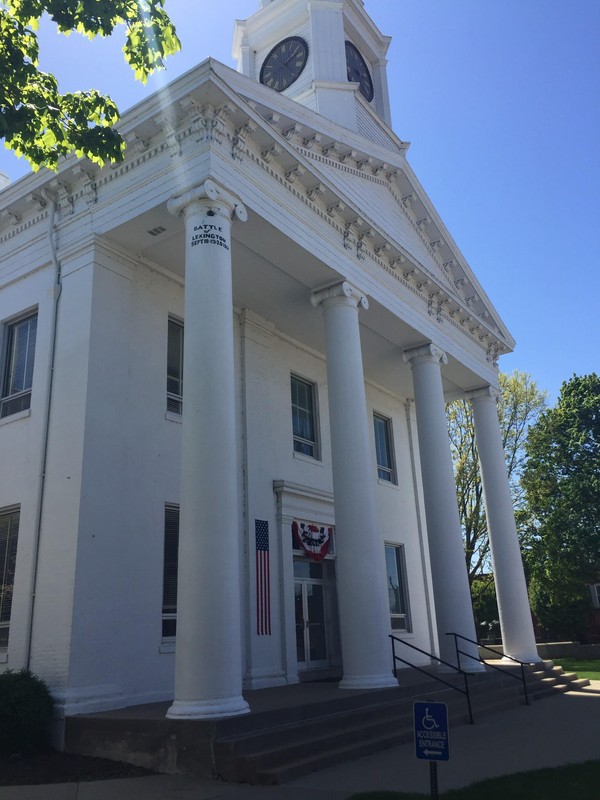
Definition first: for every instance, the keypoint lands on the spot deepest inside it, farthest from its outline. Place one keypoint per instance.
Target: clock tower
(326, 54)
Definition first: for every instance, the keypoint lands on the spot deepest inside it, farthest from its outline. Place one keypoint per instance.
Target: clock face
(358, 72)
(284, 64)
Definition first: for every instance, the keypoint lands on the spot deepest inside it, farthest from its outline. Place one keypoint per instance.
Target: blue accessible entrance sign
(431, 731)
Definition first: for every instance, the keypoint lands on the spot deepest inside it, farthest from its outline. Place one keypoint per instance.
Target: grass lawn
(571, 782)
(589, 668)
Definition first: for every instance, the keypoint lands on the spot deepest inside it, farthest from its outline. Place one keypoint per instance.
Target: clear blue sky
(500, 100)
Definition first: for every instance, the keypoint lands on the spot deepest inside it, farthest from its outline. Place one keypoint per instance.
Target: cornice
(359, 20)
(14, 222)
(283, 487)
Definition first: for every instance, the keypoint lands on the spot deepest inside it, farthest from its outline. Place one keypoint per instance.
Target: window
(9, 531)
(171, 552)
(396, 585)
(595, 587)
(18, 358)
(383, 448)
(304, 420)
(175, 367)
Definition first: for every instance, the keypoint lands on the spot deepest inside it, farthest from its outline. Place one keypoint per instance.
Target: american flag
(263, 578)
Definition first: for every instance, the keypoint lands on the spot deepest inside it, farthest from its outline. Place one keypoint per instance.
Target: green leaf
(39, 123)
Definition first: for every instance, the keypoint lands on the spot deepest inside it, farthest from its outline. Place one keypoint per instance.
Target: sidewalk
(558, 730)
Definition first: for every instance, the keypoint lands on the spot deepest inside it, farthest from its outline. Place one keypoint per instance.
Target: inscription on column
(209, 233)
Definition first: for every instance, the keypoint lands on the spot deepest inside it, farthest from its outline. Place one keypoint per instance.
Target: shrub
(25, 713)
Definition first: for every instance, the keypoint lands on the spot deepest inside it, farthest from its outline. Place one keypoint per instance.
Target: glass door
(311, 632)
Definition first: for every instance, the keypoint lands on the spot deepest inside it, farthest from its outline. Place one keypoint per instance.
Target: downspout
(50, 199)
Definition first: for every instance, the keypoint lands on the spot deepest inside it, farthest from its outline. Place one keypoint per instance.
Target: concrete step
(279, 755)
(393, 708)
(279, 764)
(573, 680)
(339, 755)
(579, 683)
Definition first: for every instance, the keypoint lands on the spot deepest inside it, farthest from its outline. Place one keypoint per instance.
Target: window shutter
(171, 550)
(9, 529)
(18, 369)
(174, 366)
(22, 350)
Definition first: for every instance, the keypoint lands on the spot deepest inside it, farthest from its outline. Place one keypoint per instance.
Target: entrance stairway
(316, 727)
(293, 749)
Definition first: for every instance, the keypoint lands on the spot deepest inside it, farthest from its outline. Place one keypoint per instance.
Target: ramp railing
(435, 676)
(522, 664)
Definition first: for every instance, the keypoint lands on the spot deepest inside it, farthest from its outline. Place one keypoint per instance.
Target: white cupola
(326, 54)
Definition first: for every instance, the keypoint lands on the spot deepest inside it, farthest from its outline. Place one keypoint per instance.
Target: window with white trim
(304, 417)
(9, 532)
(18, 355)
(170, 560)
(175, 366)
(384, 449)
(397, 587)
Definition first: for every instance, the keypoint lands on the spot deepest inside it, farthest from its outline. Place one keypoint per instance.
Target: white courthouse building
(223, 366)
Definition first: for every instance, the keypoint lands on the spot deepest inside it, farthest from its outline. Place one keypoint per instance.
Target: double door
(312, 648)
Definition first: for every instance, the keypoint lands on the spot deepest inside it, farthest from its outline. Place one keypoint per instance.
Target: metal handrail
(465, 675)
(522, 664)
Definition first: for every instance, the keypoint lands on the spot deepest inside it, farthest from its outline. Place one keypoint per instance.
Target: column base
(369, 682)
(467, 665)
(527, 658)
(208, 709)
(472, 665)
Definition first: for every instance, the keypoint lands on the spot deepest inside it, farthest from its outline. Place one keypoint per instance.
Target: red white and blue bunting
(314, 539)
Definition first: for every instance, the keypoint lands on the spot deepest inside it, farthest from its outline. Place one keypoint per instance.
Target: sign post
(431, 737)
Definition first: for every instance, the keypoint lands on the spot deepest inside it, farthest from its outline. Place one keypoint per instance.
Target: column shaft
(360, 562)
(511, 591)
(208, 674)
(453, 606)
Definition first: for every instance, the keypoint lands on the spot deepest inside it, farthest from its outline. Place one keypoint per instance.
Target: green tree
(519, 405)
(562, 484)
(36, 120)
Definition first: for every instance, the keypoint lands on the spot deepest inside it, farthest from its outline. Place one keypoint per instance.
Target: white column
(208, 672)
(360, 558)
(513, 603)
(453, 606)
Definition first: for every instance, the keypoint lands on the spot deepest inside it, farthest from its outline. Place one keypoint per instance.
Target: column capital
(206, 197)
(425, 352)
(343, 291)
(483, 392)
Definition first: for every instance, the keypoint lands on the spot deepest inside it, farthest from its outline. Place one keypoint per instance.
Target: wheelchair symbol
(428, 721)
